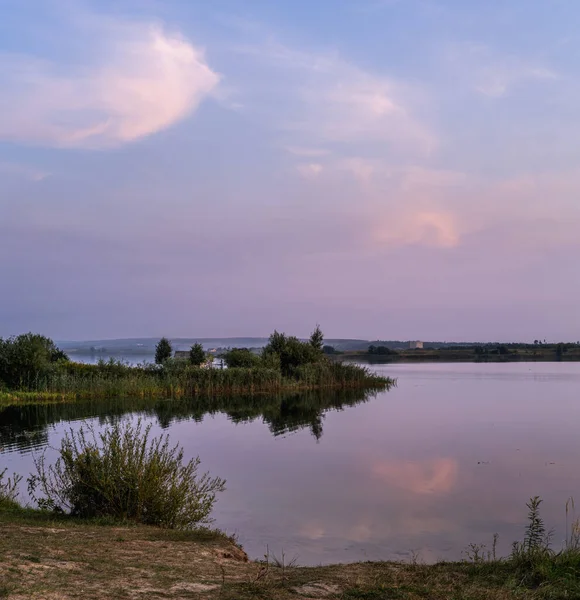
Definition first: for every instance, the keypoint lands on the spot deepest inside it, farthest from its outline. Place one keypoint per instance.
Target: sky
(389, 169)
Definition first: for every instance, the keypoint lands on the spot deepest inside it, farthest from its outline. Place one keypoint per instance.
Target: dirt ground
(65, 560)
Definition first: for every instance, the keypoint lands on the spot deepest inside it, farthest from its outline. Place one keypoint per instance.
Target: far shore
(496, 353)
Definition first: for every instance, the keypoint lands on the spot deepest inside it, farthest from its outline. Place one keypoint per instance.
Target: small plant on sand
(124, 473)
(8, 489)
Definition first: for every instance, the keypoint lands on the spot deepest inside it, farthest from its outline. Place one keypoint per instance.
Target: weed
(9, 489)
(123, 473)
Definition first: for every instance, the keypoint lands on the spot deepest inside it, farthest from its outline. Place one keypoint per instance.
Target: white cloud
(496, 80)
(361, 169)
(142, 80)
(494, 75)
(310, 169)
(307, 152)
(351, 105)
(25, 171)
(320, 99)
(435, 229)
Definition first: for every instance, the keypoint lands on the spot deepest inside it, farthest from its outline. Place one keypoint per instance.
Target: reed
(178, 379)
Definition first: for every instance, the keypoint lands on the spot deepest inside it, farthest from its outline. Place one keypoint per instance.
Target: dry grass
(44, 557)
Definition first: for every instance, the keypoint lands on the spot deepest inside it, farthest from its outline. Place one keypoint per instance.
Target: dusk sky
(390, 169)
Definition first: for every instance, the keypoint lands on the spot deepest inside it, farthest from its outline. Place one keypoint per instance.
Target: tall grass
(533, 563)
(8, 489)
(179, 379)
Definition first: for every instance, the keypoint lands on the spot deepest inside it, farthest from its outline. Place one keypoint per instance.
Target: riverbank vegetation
(45, 555)
(32, 368)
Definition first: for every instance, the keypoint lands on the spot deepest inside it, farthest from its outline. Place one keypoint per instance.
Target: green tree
(25, 358)
(381, 350)
(328, 349)
(292, 352)
(163, 351)
(317, 339)
(197, 355)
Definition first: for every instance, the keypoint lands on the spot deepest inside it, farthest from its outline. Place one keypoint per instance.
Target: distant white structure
(416, 345)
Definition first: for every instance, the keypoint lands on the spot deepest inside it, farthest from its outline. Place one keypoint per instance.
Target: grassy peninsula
(33, 369)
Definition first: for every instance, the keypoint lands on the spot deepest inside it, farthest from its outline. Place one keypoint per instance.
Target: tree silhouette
(196, 355)
(163, 351)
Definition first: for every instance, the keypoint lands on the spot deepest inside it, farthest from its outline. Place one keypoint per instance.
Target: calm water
(447, 458)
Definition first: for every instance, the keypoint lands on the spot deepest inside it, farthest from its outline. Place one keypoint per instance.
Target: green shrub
(241, 357)
(292, 352)
(26, 358)
(381, 350)
(123, 473)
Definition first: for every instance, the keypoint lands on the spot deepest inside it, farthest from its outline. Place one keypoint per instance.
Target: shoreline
(15, 398)
(43, 555)
(450, 357)
(69, 381)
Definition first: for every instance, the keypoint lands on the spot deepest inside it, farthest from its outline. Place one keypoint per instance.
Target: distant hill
(145, 347)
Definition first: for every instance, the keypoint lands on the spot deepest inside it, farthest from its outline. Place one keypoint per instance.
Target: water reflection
(447, 458)
(435, 475)
(26, 427)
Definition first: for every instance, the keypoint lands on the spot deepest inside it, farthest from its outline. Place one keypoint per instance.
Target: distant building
(416, 345)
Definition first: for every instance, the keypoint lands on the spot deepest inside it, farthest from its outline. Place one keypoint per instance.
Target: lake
(447, 458)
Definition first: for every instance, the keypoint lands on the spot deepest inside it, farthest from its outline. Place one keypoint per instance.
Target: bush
(241, 357)
(292, 352)
(381, 350)
(123, 473)
(163, 351)
(26, 358)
